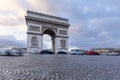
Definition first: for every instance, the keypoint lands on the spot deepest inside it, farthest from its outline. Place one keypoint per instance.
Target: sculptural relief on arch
(39, 24)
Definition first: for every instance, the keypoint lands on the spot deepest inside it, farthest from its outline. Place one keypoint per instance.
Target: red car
(92, 53)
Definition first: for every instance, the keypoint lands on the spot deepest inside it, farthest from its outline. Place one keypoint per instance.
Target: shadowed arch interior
(50, 32)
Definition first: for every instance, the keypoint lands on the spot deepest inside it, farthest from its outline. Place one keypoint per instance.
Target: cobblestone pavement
(59, 67)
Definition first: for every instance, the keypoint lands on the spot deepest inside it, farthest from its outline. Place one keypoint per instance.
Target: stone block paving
(59, 67)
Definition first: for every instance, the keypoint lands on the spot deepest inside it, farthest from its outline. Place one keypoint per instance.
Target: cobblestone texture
(60, 67)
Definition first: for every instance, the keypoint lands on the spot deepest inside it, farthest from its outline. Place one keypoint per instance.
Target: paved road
(60, 67)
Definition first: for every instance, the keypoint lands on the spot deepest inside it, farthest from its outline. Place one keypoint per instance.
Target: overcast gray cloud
(9, 40)
(94, 23)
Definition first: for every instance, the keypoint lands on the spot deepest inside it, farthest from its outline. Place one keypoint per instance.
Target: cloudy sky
(94, 23)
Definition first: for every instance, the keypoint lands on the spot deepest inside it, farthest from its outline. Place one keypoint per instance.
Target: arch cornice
(47, 21)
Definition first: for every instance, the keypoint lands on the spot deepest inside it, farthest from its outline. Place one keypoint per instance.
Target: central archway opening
(49, 40)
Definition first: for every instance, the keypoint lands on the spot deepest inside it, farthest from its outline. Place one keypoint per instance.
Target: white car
(113, 54)
(76, 52)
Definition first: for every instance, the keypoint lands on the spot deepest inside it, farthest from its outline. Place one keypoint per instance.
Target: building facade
(104, 50)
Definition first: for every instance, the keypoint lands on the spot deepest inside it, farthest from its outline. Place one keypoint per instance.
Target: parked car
(46, 52)
(61, 52)
(92, 53)
(112, 54)
(76, 52)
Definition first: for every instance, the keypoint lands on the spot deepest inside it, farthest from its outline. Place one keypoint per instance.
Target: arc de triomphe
(39, 24)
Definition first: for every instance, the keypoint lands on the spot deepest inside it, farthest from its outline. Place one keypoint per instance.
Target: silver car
(10, 52)
(15, 52)
(112, 54)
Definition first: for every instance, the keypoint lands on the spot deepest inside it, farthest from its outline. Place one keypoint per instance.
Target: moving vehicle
(10, 52)
(4, 51)
(61, 52)
(112, 54)
(35, 51)
(76, 52)
(46, 52)
(92, 53)
(15, 52)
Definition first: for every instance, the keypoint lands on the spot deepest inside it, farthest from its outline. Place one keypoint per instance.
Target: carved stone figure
(34, 41)
(63, 43)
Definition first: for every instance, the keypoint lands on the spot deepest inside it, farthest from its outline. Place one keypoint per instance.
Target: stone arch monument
(39, 24)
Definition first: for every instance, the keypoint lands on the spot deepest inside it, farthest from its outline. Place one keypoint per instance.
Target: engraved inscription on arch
(34, 28)
(63, 32)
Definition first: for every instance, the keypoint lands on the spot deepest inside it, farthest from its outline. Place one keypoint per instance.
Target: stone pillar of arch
(39, 24)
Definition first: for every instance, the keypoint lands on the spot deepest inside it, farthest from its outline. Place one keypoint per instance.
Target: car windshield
(77, 50)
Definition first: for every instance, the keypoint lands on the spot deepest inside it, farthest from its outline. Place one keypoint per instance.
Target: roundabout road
(59, 67)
